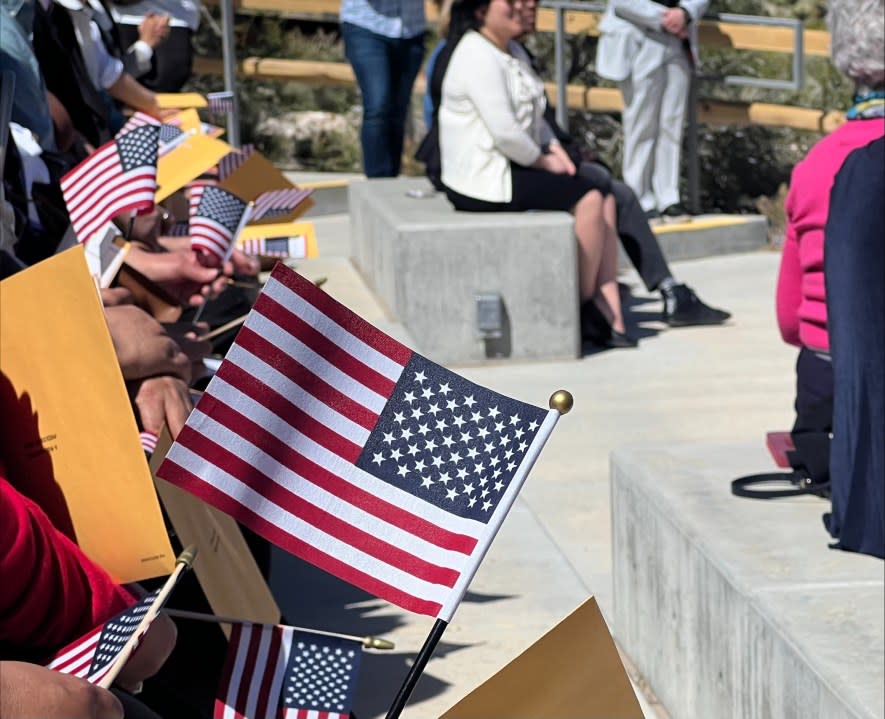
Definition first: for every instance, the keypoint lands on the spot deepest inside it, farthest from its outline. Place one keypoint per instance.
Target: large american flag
(93, 655)
(120, 176)
(215, 215)
(275, 203)
(347, 449)
(278, 672)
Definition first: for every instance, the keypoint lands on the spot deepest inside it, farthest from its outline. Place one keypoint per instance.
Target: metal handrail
(795, 83)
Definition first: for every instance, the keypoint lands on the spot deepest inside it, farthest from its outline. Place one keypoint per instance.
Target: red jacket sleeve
(50, 592)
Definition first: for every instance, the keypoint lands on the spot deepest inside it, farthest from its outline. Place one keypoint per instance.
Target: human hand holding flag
(101, 655)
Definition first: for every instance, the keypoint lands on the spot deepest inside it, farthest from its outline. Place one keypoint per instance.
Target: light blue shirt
(390, 18)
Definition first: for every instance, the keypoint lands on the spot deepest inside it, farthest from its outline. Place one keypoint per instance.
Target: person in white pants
(649, 47)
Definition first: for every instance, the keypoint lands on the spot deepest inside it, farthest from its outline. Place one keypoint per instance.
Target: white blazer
(632, 41)
(491, 112)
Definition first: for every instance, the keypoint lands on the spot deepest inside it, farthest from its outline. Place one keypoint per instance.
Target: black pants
(637, 239)
(172, 62)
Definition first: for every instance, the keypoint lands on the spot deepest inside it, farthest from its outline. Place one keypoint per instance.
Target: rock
(301, 135)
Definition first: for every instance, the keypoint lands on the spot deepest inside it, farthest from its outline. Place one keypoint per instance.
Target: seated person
(801, 296)
(498, 153)
(682, 307)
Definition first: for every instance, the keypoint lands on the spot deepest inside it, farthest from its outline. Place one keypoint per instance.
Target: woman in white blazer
(498, 154)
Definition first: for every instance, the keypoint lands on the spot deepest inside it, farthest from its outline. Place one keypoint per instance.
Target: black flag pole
(405, 691)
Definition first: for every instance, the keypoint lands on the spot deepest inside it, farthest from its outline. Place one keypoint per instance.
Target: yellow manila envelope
(190, 159)
(180, 100)
(257, 174)
(572, 672)
(70, 440)
(187, 120)
(227, 572)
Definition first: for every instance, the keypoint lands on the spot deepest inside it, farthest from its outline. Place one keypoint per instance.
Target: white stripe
(236, 675)
(91, 183)
(258, 670)
(318, 454)
(97, 224)
(74, 176)
(303, 488)
(297, 395)
(279, 672)
(74, 651)
(135, 184)
(307, 533)
(316, 363)
(332, 330)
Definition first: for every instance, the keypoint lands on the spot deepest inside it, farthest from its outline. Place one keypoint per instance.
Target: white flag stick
(182, 564)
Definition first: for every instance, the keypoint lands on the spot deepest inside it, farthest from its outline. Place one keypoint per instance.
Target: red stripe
(288, 412)
(323, 346)
(299, 374)
(273, 656)
(227, 672)
(245, 688)
(318, 475)
(107, 213)
(193, 484)
(313, 515)
(354, 324)
(110, 181)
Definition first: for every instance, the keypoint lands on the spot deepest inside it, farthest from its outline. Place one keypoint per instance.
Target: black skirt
(535, 189)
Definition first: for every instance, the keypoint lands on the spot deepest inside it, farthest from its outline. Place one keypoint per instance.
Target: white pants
(654, 113)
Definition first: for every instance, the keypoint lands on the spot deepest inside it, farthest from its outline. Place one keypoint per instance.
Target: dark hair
(463, 18)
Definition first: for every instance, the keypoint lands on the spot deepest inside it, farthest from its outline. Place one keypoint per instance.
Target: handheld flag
(93, 655)
(220, 102)
(347, 449)
(280, 672)
(232, 160)
(121, 176)
(215, 216)
(277, 203)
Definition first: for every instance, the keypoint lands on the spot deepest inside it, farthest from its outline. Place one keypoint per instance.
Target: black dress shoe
(676, 213)
(594, 327)
(621, 340)
(683, 308)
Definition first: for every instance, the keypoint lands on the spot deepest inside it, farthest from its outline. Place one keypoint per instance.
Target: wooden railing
(578, 97)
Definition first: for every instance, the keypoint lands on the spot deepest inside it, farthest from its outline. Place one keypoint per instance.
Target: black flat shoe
(621, 340)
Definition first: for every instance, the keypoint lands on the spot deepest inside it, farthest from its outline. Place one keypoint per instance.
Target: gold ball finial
(562, 401)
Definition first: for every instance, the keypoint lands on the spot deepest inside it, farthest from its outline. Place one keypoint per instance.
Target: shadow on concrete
(478, 598)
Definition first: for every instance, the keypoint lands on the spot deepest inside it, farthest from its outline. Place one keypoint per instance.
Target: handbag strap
(752, 486)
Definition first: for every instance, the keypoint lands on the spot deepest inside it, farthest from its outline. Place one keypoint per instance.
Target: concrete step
(329, 189)
(737, 608)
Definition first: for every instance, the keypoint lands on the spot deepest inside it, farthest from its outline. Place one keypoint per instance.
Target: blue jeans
(385, 69)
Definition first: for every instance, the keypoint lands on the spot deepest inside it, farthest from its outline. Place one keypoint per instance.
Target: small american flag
(120, 176)
(277, 672)
(214, 219)
(148, 441)
(347, 449)
(232, 160)
(276, 246)
(170, 135)
(276, 203)
(93, 655)
(220, 102)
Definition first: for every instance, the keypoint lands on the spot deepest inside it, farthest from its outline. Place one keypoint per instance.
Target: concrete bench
(734, 608)
(427, 263)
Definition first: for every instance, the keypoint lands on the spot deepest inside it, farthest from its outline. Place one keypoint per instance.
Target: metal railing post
(561, 79)
(692, 157)
(230, 70)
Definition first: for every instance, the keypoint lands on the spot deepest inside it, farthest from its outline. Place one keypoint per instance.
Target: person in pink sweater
(801, 298)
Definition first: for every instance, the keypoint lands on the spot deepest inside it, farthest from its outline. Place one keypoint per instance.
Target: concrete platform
(737, 608)
(427, 264)
(710, 235)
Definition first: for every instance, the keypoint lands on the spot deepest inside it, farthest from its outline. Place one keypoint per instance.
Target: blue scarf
(867, 106)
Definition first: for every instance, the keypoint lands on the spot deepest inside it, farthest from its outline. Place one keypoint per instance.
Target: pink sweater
(801, 301)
